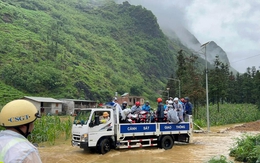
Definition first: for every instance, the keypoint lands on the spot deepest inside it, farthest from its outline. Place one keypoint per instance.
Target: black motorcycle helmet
(124, 103)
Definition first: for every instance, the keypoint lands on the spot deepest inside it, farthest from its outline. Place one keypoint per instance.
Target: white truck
(89, 133)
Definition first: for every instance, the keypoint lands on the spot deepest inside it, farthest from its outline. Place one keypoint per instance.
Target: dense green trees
(224, 86)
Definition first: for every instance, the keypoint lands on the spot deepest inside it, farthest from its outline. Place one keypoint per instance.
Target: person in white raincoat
(172, 115)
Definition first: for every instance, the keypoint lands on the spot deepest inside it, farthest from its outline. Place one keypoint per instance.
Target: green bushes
(32, 78)
(246, 149)
(50, 128)
(8, 94)
(219, 159)
(228, 114)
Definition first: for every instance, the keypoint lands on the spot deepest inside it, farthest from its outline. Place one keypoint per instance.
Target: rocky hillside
(181, 34)
(82, 49)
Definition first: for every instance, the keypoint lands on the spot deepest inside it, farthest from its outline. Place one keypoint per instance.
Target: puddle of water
(205, 146)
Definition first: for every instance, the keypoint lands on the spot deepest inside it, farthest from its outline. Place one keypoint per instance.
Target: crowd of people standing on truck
(180, 107)
(174, 110)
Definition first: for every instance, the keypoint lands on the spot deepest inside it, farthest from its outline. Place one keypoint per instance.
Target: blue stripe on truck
(174, 127)
(137, 128)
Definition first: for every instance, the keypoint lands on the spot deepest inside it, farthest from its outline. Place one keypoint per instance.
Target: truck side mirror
(91, 124)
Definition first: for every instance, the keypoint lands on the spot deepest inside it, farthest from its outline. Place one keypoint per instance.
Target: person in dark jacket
(160, 110)
(188, 107)
(124, 105)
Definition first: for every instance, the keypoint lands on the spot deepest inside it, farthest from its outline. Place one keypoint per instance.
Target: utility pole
(207, 89)
(168, 90)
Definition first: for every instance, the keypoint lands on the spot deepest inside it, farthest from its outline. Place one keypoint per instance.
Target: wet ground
(205, 146)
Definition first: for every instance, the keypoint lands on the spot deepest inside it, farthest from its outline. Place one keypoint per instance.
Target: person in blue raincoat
(146, 106)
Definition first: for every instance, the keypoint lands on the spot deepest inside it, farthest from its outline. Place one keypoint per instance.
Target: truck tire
(166, 142)
(104, 146)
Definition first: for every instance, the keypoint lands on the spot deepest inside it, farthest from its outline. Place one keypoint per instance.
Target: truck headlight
(84, 137)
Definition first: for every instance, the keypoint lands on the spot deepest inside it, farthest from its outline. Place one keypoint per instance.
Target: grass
(228, 114)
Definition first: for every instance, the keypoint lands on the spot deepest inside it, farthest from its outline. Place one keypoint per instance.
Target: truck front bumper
(75, 143)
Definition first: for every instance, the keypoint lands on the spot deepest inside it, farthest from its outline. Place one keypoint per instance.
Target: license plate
(74, 143)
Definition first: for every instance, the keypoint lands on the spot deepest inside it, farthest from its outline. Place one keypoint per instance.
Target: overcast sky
(233, 24)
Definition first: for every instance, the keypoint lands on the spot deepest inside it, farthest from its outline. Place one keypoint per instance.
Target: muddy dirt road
(204, 147)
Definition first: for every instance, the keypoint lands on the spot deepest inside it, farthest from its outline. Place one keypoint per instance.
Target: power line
(245, 58)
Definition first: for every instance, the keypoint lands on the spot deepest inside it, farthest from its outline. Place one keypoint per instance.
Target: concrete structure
(46, 105)
(130, 99)
(72, 106)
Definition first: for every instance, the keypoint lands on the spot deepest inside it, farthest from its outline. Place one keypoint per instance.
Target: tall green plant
(50, 128)
(229, 114)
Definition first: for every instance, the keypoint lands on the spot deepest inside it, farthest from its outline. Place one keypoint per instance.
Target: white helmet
(170, 102)
(176, 99)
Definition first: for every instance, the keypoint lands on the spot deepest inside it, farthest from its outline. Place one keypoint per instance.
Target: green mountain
(82, 49)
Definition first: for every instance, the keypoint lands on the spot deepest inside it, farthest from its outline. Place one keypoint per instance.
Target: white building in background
(73, 106)
(46, 105)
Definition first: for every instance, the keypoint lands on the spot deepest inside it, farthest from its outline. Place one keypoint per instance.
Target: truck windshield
(82, 117)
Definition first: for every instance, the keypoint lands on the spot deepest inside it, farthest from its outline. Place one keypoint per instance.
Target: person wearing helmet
(169, 105)
(165, 105)
(178, 107)
(17, 117)
(160, 110)
(124, 105)
(104, 118)
(172, 115)
(146, 106)
(117, 107)
(136, 108)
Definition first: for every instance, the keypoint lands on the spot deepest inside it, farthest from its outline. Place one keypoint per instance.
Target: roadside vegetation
(50, 128)
(227, 114)
(219, 159)
(246, 149)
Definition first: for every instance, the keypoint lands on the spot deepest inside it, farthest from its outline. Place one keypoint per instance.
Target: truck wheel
(167, 142)
(104, 146)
